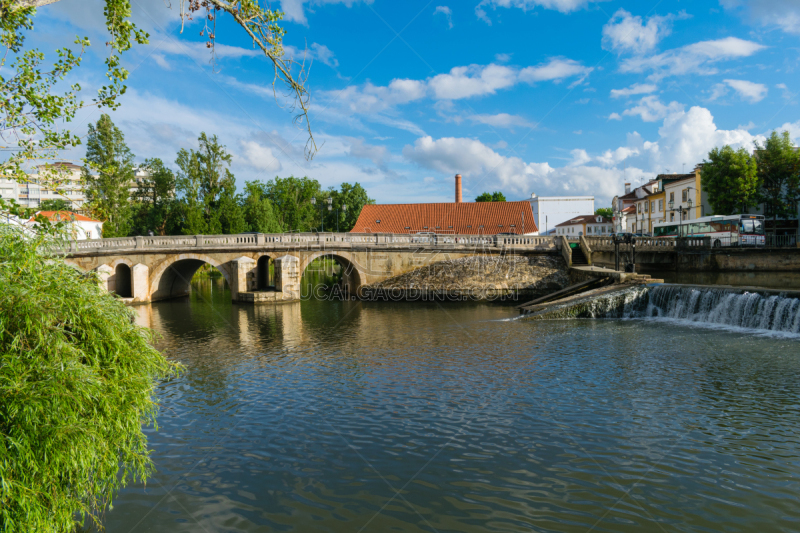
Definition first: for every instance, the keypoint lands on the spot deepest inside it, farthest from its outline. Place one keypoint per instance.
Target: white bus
(730, 230)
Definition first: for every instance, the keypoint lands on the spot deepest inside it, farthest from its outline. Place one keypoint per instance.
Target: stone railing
(311, 240)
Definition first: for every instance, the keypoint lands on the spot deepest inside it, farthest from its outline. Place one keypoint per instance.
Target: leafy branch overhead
(33, 113)
(261, 25)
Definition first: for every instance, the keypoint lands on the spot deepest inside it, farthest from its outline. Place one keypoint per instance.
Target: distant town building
(32, 193)
(81, 227)
(464, 218)
(550, 211)
(587, 225)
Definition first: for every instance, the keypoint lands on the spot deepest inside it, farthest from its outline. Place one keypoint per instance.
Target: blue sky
(521, 96)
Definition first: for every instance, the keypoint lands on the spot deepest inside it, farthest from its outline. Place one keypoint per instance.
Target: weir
(743, 307)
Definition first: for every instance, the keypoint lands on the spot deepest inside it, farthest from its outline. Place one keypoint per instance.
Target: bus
(730, 230)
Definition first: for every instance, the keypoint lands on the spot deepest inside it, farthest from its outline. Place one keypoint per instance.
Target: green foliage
(779, 173)
(604, 212)
(231, 214)
(353, 196)
(76, 383)
(33, 112)
(155, 207)
(258, 211)
(108, 177)
(55, 204)
(496, 196)
(730, 180)
(202, 177)
(291, 199)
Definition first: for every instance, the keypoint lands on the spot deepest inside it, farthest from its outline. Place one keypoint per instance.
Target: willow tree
(77, 377)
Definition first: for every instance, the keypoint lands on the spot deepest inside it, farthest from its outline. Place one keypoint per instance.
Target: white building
(550, 211)
(33, 192)
(587, 225)
(81, 227)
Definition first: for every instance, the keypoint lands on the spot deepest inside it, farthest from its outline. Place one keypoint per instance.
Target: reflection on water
(356, 416)
(768, 280)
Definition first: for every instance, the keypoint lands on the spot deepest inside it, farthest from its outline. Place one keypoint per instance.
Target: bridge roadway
(147, 269)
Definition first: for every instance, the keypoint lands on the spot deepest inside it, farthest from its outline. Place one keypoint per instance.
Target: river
(373, 416)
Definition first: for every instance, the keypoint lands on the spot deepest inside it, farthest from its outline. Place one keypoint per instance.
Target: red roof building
(460, 218)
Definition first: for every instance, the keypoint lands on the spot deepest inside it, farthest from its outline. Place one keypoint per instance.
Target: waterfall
(727, 307)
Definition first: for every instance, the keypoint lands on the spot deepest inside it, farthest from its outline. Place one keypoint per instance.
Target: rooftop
(585, 219)
(462, 218)
(65, 216)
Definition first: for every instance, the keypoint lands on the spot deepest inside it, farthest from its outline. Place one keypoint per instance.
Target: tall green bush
(77, 378)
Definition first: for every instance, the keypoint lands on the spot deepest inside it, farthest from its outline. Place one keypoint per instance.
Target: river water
(374, 416)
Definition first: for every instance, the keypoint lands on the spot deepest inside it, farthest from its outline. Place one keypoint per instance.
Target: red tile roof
(464, 218)
(66, 216)
(629, 209)
(584, 219)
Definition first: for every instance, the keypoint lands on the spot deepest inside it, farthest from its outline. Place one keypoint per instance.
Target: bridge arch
(265, 270)
(352, 277)
(172, 277)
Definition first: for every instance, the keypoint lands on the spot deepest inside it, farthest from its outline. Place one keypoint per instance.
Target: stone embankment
(478, 277)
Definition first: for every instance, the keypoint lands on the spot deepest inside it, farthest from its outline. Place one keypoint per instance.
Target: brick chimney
(458, 188)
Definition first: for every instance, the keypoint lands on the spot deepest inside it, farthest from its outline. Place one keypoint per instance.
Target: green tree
(108, 177)
(291, 200)
(202, 177)
(231, 213)
(730, 179)
(353, 196)
(606, 212)
(779, 174)
(154, 198)
(76, 385)
(496, 196)
(258, 211)
(55, 204)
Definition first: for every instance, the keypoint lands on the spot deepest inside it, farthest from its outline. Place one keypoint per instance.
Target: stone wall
(481, 277)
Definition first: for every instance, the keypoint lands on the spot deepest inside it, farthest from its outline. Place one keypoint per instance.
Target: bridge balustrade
(290, 240)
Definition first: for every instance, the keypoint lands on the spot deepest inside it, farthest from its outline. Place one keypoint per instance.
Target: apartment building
(34, 191)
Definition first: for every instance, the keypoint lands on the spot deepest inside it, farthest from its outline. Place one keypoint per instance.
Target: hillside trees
(730, 179)
(108, 177)
(779, 175)
(496, 196)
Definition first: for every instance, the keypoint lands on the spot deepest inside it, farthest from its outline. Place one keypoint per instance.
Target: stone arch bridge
(268, 267)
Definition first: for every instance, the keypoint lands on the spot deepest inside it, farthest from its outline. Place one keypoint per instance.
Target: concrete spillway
(745, 307)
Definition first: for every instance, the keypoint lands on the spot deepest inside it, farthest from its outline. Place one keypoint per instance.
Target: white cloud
(503, 58)
(447, 12)
(636, 88)
(783, 14)
(651, 109)
(362, 150)
(198, 51)
(564, 6)
(614, 116)
(753, 92)
(693, 58)
(556, 70)
(718, 90)
(474, 80)
(502, 120)
(260, 157)
(471, 81)
(626, 33)
(294, 10)
(685, 137)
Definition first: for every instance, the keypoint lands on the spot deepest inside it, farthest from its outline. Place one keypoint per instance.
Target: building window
(638, 208)
(684, 214)
(685, 194)
(660, 206)
(672, 217)
(672, 197)
(645, 206)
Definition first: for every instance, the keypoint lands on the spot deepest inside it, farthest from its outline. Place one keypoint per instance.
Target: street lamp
(329, 201)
